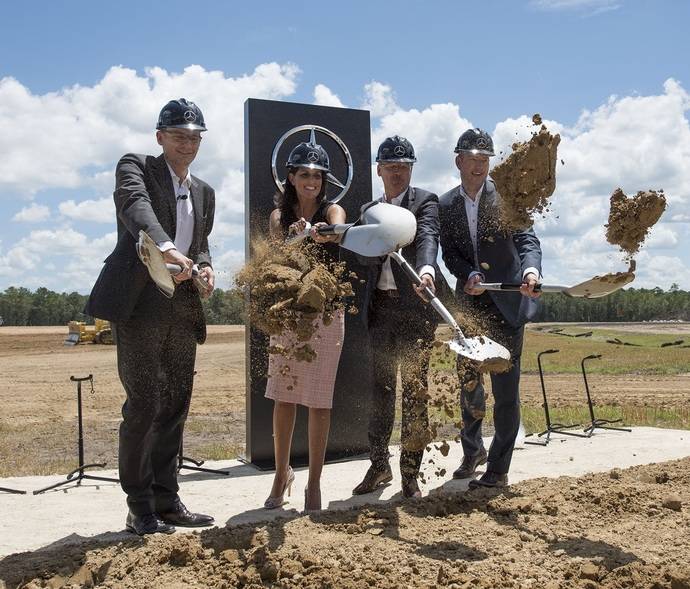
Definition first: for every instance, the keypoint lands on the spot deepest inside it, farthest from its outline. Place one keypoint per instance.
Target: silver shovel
(479, 349)
(599, 286)
(381, 228)
(160, 272)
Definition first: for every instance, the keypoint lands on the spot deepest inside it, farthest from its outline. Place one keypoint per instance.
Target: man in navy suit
(401, 325)
(476, 250)
(157, 337)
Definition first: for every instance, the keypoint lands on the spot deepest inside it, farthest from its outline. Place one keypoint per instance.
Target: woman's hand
(318, 238)
(297, 227)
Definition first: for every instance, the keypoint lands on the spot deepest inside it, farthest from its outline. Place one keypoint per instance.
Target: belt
(391, 293)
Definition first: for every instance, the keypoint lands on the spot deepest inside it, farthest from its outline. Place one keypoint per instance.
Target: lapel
(407, 201)
(166, 184)
(197, 197)
(462, 224)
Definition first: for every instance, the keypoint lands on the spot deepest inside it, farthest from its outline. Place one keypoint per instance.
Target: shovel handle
(199, 280)
(337, 229)
(512, 286)
(433, 299)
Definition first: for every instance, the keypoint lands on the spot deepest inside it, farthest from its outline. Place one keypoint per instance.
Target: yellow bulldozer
(81, 333)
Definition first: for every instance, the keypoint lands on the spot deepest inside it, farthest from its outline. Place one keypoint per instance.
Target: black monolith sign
(268, 124)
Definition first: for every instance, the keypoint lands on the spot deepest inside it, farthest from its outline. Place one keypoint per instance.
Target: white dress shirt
(184, 230)
(472, 212)
(386, 279)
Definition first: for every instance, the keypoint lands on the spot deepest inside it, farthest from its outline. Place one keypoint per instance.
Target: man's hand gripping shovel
(162, 273)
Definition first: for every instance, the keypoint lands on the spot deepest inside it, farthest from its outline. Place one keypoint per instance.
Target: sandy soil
(618, 529)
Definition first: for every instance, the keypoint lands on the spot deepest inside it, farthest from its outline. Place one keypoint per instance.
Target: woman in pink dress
(293, 382)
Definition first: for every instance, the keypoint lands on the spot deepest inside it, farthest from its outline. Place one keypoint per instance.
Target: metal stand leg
(13, 491)
(181, 458)
(551, 427)
(73, 477)
(597, 423)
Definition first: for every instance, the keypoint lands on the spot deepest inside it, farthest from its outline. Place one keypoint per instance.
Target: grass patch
(646, 357)
(221, 451)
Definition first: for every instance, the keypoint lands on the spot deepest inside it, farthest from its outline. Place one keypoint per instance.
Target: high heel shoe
(311, 509)
(275, 502)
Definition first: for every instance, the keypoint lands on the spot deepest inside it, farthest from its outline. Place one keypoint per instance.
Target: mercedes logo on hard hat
(330, 178)
(399, 150)
(189, 116)
(481, 142)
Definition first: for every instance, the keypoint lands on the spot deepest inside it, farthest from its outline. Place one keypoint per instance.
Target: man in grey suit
(157, 337)
(476, 250)
(401, 325)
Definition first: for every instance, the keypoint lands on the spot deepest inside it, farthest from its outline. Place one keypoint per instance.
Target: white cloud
(324, 96)
(34, 213)
(98, 211)
(379, 99)
(591, 7)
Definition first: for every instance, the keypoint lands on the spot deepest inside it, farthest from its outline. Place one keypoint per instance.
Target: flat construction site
(615, 528)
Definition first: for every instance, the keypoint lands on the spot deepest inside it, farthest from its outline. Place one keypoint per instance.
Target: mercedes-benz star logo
(399, 150)
(189, 116)
(344, 186)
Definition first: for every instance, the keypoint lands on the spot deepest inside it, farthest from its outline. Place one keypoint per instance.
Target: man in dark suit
(476, 250)
(401, 326)
(157, 337)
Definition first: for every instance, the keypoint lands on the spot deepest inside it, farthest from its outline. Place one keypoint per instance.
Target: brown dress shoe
(469, 465)
(490, 479)
(410, 489)
(373, 479)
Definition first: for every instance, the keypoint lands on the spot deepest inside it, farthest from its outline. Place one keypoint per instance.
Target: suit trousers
(399, 339)
(156, 366)
(504, 386)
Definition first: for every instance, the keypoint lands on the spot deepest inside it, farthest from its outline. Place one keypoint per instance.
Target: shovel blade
(600, 286)
(152, 258)
(384, 228)
(479, 349)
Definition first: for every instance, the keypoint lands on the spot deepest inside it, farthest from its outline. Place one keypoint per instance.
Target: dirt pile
(624, 528)
(527, 179)
(289, 287)
(631, 218)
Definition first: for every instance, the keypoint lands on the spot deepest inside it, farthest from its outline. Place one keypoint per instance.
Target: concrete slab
(70, 514)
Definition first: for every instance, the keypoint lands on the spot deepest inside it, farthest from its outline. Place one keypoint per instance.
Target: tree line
(20, 306)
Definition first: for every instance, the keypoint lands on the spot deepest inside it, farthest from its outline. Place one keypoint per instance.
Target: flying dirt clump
(290, 287)
(631, 218)
(526, 180)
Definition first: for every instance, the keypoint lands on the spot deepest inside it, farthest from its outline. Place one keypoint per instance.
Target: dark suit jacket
(507, 255)
(421, 252)
(145, 199)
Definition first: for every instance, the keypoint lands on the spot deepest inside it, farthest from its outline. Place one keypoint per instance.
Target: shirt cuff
(164, 246)
(533, 271)
(475, 273)
(427, 269)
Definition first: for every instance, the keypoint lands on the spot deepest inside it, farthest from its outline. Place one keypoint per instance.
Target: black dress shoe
(410, 489)
(490, 479)
(373, 479)
(469, 465)
(147, 524)
(179, 515)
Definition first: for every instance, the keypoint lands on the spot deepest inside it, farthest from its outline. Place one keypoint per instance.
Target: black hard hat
(396, 149)
(475, 141)
(181, 114)
(309, 155)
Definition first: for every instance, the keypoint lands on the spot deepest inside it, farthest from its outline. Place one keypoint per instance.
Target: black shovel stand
(181, 459)
(73, 477)
(13, 491)
(551, 428)
(597, 423)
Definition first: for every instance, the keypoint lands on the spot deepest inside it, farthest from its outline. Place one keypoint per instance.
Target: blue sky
(77, 89)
